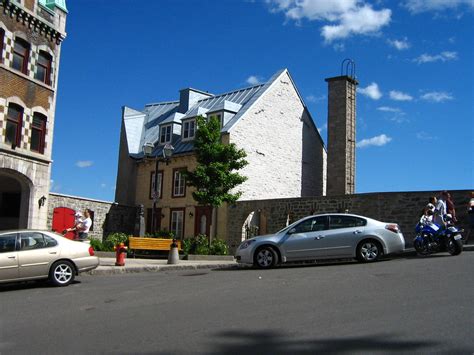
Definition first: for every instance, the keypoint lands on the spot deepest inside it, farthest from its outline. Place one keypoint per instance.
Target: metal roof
(149, 120)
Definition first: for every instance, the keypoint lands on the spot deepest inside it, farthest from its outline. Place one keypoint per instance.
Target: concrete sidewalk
(107, 264)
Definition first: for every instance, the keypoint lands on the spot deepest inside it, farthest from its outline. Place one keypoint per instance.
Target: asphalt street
(409, 305)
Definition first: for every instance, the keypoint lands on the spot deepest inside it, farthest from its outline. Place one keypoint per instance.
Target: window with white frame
(189, 129)
(179, 183)
(177, 223)
(165, 134)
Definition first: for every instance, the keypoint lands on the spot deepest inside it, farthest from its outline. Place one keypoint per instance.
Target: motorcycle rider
(427, 217)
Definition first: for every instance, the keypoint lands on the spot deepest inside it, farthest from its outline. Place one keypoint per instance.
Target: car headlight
(246, 244)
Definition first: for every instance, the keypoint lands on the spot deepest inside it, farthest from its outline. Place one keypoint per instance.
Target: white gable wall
(271, 133)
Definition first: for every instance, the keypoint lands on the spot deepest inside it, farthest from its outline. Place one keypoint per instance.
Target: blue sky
(414, 62)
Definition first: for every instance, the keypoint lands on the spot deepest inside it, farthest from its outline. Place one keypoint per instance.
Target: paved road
(401, 305)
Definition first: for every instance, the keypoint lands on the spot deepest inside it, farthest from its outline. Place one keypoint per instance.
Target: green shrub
(97, 244)
(164, 234)
(199, 245)
(114, 239)
(218, 247)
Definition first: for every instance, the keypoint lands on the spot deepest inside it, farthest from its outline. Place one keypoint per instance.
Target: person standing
(440, 210)
(450, 207)
(86, 225)
(470, 216)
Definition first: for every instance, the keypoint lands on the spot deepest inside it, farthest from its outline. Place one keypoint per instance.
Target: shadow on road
(28, 285)
(272, 342)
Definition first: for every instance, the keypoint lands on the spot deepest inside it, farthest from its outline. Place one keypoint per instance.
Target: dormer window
(165, 134)
(216, 115)
(189, 129)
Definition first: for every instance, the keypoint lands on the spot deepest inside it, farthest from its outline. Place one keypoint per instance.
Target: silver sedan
(29, 255)
(324, 236)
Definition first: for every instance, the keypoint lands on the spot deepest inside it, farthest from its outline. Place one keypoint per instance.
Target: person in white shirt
(85, 225)
(440, 210)
(427, 217)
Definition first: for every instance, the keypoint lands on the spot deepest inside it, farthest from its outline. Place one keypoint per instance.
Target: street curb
(111, 270)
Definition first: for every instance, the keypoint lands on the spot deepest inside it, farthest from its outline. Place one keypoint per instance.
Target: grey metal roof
(144, 126)
(159, 113)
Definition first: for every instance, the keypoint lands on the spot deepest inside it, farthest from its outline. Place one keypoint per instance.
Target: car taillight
(393, 228)
(91, 251)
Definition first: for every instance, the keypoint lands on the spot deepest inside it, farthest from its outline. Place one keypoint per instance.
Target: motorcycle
(431, 238)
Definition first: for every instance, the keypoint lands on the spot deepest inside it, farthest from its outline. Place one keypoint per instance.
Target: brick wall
(400, 207)
(108, 216)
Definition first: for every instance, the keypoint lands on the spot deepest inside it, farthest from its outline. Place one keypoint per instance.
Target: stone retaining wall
(403, 208)
(109, 217)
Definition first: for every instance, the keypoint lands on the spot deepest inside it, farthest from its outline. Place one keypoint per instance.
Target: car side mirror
(292, 231)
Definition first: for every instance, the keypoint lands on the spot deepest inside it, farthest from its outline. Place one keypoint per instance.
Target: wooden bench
(137, 243)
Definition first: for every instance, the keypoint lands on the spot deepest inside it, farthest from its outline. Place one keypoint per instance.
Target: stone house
(270, 121)
(31, 33)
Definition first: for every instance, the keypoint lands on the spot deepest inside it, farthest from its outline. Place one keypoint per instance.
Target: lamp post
(167, 153)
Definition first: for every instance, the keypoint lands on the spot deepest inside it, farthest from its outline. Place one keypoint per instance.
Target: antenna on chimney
(350, 68)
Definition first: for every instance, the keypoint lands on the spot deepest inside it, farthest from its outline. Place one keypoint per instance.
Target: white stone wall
(271, 133)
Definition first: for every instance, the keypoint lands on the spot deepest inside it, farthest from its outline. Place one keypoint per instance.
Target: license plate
(457, 237)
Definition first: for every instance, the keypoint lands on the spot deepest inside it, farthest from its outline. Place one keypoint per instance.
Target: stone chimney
(341, 135)
(188, 97)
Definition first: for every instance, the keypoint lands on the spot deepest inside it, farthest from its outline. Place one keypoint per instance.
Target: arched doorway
(255, 224)
(14, 200)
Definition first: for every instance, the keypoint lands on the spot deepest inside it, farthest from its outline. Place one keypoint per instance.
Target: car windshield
(287, 228)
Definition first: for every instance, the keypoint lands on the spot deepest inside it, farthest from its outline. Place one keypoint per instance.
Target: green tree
(217, 165)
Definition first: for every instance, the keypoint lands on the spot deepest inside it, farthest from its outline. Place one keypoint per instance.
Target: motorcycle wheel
(421, 247)
(454, 247)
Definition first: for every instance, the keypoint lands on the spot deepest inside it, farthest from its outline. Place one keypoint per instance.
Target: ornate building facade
(31, 33)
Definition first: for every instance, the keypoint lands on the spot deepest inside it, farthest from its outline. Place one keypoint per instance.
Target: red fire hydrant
(120, 254)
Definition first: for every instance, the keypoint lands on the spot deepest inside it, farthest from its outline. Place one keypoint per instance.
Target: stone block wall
(109, 217)
(403, 208)
(273, 133)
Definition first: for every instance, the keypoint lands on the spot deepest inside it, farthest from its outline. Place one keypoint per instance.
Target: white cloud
(400, 44)
(442, 57)
(417, 6)
(400, 96)
(437, 96)
(313, 99)
(371, 91)
(374, 141)
(323, 128)
(253, 80)
(84, 163)
(424, 136)
(346, 17)
(388, 109)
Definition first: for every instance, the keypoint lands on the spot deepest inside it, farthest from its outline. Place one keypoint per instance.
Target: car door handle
(318, 237)
(357, 231)
(12, 257)
(53, 252)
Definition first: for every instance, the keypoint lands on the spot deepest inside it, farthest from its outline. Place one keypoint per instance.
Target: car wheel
(265, 258)
(62, 273)
(369, 251)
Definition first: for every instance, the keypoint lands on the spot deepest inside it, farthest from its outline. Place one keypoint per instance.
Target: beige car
(33, 254)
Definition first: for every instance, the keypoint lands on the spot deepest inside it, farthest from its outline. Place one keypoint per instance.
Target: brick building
(31, 32)
(270, 121)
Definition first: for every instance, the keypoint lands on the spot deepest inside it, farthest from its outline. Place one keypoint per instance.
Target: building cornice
(34, 22)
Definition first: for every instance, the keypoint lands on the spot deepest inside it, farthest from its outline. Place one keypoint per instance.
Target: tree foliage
(217, 165)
